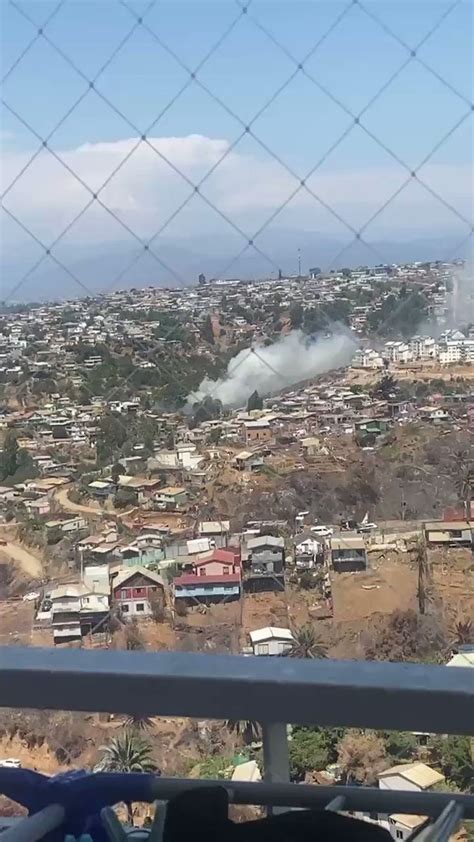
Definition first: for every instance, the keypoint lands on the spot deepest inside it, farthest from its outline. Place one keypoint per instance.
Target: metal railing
(273, 691)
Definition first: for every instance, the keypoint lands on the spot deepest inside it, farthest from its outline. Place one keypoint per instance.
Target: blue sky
(356, 59)
(353, 63)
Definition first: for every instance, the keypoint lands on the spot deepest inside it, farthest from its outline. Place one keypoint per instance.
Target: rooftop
(271, 633)
(417, 773)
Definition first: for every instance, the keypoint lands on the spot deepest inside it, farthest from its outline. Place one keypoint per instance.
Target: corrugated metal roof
(214, 526)
(128, 572)
(462, 659)
(270, 633)
(417, 773)
(247, 772)
(201, 581)
(198, 545)
(265, 540)
(348, 544)
(408, 820)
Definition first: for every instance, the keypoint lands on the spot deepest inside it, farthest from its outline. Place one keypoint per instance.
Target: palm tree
(420, 558)
(306, 644)
(464, 486)
(137, 722)
(247, 729)
(464, 631)
(127, 753)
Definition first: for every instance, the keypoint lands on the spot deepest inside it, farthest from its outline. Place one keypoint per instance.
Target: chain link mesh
(243, 14)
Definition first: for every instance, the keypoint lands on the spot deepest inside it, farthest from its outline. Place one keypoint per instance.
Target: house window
(226, 571)
(399, 834)
(140, 591)
(125, 609)
(263, 649)
(202, 571)
(140, 606)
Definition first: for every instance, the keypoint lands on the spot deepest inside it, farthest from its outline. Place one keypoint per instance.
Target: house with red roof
(212, 577)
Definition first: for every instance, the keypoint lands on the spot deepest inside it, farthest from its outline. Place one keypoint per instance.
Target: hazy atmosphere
(292, 149)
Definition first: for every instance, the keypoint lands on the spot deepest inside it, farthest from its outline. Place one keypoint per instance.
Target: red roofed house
(214, 577)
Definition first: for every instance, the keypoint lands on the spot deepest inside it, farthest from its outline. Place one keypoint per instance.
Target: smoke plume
(268, 369)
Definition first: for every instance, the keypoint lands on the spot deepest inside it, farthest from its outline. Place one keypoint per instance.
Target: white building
(397, 352)
(449, 352)
(411, 777)
(271, 641)
(423, 347)
(367, 358)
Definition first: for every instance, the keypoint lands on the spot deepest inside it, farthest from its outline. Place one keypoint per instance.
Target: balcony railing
(272, 691)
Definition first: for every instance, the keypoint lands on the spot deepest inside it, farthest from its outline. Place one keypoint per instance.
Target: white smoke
(268, 369)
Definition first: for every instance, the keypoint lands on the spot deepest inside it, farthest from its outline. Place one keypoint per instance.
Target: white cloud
(146, 191)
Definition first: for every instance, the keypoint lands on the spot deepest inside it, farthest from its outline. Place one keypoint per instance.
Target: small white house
(271, 641)
(401, 826)
(412, 777)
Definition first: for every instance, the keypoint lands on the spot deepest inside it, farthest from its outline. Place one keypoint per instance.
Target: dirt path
(62, 497)
(30, 563)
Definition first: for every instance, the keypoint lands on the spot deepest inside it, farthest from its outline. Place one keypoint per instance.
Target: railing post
(276, 760)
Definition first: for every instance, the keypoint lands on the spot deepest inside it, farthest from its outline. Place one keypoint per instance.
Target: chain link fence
(95, 82)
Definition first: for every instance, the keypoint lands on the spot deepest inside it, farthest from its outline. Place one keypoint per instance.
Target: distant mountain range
(122, 266)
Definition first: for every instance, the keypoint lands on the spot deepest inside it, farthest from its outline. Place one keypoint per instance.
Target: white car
(322, 531)
(367, 527)
(10, 763)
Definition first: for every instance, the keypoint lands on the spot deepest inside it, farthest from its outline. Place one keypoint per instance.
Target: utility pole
(299, 263)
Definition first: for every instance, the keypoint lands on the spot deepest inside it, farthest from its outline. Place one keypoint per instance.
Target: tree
(405, 636)
(385, 387)
(254, 402)
(138, 722)
(247, 730)
(9, 456)
(111, 436)
(464, 631)
(423, 575)
(464, 481)
(296, 315)
(128, 753)
(116, 472)
(401, 745)
(207, 331)
(306, 644)
(361, 756)
(206, 410)
(133, 637)
(157, 609)
(124, 497)
(215, 435)
(310, 750)
(453, 755)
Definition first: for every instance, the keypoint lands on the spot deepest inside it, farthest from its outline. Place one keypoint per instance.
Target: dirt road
(27, 561)
(62, 496)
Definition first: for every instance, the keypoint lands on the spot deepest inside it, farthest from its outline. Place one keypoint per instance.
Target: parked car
(322, 531)
(367, 527)
(10, 763)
